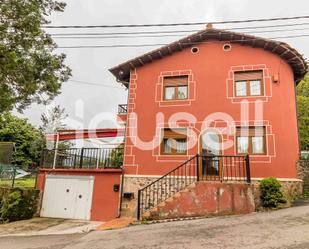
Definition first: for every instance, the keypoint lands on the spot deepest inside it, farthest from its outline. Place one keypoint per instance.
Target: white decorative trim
(251, 99)
(181, 102)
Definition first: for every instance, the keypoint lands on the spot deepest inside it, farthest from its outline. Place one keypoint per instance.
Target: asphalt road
(282, 229)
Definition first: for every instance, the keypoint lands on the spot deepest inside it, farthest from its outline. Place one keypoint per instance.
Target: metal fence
(123, 109)
(225, 168)
(82, 158)
(12, 176)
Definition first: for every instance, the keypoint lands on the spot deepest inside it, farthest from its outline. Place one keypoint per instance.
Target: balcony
(82, 158)
(122, 114)
(122, 109)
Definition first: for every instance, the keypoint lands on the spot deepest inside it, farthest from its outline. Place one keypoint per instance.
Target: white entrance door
(67, 196)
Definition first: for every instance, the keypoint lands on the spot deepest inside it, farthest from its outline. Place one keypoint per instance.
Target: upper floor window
(174, 142)
(251, 140)
(175, 87)
(249, 83)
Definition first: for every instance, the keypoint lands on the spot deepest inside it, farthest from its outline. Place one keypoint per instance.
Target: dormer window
(175, 88)
(248, 83)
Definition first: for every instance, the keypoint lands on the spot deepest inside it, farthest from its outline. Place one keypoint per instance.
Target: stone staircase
(205, 198)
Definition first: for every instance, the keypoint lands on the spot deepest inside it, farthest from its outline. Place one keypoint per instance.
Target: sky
(92, 91)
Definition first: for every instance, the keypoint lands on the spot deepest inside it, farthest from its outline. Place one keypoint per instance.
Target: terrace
(82, 158)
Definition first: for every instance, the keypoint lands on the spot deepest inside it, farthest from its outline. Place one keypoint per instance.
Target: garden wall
(303, 173)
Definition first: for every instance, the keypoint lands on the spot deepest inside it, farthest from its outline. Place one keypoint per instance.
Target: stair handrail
(193, 173)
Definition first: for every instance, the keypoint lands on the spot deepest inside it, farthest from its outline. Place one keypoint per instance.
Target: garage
(67, 196)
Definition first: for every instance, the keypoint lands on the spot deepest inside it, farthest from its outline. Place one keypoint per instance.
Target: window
(175, 88)
(227, 47)
(194, 50)
(251, 140)
(249, 83)
(174, 142)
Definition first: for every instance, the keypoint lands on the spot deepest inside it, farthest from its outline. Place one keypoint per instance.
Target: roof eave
(287, 53)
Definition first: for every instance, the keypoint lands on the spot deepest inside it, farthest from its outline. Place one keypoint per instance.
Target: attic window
(227, 47)
(194, 50)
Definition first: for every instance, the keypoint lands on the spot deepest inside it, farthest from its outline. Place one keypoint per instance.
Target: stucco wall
(105, 201)
(210, 80)
(206, 198)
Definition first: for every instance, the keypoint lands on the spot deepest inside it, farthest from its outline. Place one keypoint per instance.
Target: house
(207, 117)
(215, 92)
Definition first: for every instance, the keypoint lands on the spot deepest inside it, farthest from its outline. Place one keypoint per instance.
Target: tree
(303, 112)
(303, 121)
(115, 159)
(52, 121)
(303, 87)
(29, 141)
(30, 71)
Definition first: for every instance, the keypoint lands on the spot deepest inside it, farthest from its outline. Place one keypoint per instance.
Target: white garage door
(67, 196)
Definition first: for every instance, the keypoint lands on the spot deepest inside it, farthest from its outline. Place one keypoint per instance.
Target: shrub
(271, 194)
(18, 204)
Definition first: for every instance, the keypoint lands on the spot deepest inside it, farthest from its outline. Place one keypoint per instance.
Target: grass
(25, 182)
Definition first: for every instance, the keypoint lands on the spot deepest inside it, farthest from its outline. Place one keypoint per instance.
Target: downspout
(121, 191)
(126, 84)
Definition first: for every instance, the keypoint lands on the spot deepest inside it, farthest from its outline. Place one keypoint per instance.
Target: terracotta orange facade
(105, 200)
(210, 74)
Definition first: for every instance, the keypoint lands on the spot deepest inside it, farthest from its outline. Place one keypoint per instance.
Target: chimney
(209, 26)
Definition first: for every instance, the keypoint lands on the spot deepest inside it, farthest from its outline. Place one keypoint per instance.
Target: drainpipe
(56, 149)
(121, 191)
(126, 84)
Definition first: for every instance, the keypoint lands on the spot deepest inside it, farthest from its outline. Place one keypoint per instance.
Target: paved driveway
(284, 229)
(46, 226)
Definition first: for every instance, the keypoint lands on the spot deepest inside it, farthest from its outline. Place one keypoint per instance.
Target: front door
(210, 163)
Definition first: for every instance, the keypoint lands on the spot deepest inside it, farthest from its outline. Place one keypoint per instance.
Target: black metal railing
(167, 185)
(82, 158)
(225, 168)
(123, 109)
(197, 168)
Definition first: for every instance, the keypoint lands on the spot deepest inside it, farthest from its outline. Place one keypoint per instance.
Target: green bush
(271, 194)
(17, 204)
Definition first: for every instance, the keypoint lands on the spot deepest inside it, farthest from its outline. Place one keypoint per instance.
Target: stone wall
(132, 184)
(291, 189)
(303, 173)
